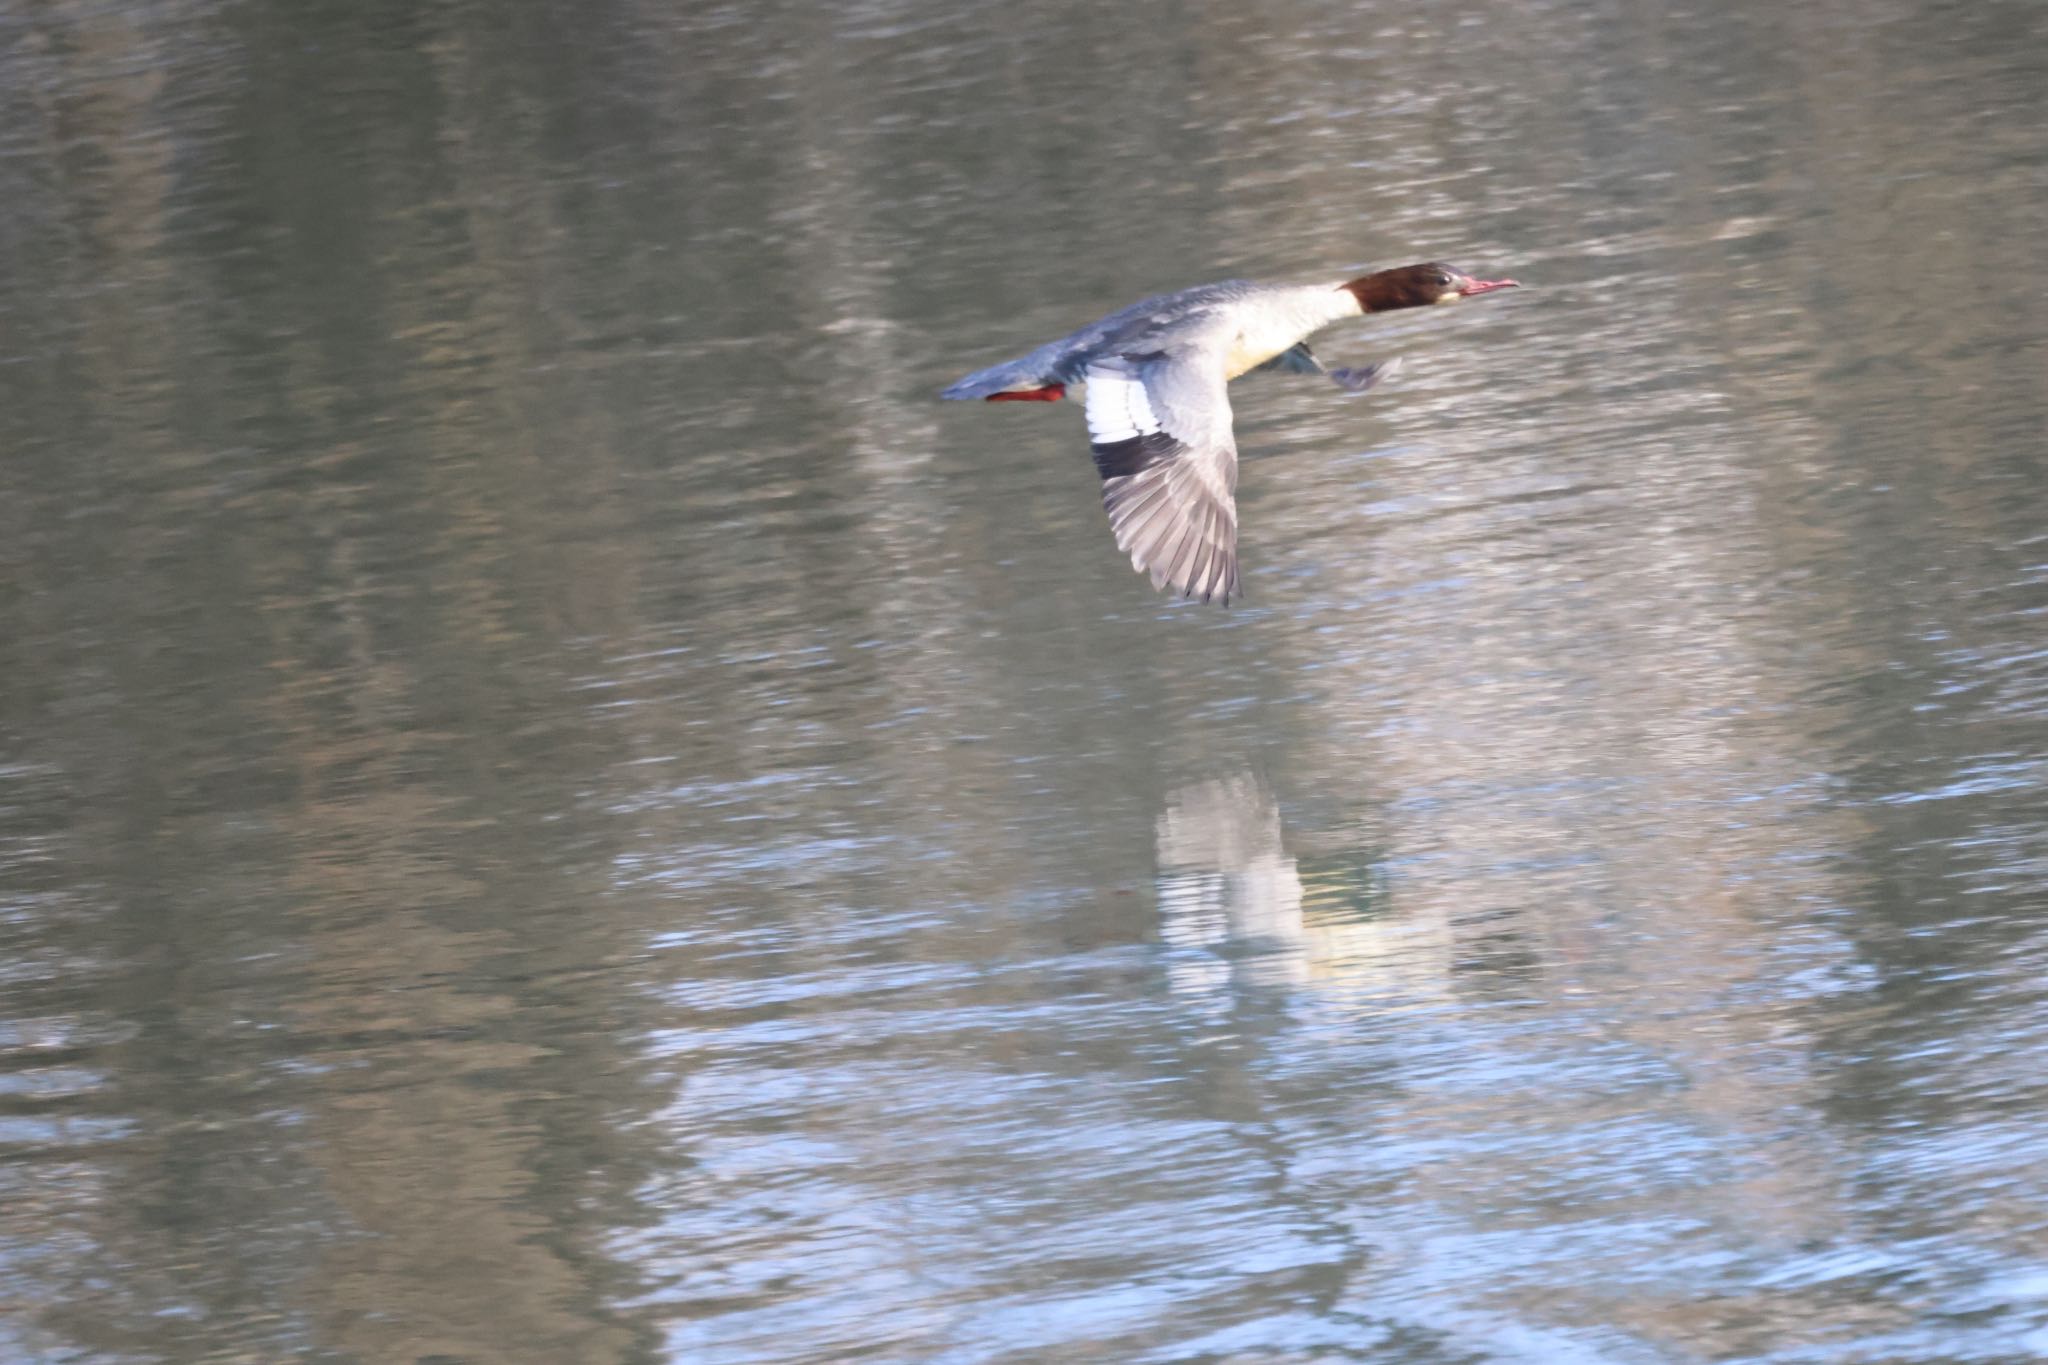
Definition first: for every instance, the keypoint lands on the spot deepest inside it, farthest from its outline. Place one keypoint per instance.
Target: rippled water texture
(556, 806)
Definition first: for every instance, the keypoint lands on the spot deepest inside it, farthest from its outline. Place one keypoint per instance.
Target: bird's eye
(1443, 279)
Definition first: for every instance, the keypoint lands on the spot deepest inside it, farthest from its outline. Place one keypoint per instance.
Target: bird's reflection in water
(1229, 894)
(1240, 907)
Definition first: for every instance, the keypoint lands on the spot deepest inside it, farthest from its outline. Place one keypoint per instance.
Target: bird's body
(1247, 324)
(1159, 420)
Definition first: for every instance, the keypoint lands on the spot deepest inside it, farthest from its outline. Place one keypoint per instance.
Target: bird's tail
(1022, 375)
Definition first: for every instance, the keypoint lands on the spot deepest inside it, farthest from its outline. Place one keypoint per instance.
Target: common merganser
(1158, 410)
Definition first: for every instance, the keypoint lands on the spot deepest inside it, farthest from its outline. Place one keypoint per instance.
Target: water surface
(557, 806)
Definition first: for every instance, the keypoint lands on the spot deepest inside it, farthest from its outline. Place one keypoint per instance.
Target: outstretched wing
(1159, 426)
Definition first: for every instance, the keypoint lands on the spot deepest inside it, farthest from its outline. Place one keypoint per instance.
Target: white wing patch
(1117, 405)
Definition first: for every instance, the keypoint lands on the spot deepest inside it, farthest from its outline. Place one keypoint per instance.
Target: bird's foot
(1357, 381)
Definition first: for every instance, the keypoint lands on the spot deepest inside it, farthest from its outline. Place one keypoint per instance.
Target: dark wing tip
(1212, 580)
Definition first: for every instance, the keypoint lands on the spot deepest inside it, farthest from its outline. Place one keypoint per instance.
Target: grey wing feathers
(1159, 428)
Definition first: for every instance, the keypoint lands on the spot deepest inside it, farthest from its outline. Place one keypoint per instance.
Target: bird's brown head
(1415, 286)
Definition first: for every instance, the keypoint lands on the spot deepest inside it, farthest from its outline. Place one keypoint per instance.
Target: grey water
(555, 805)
